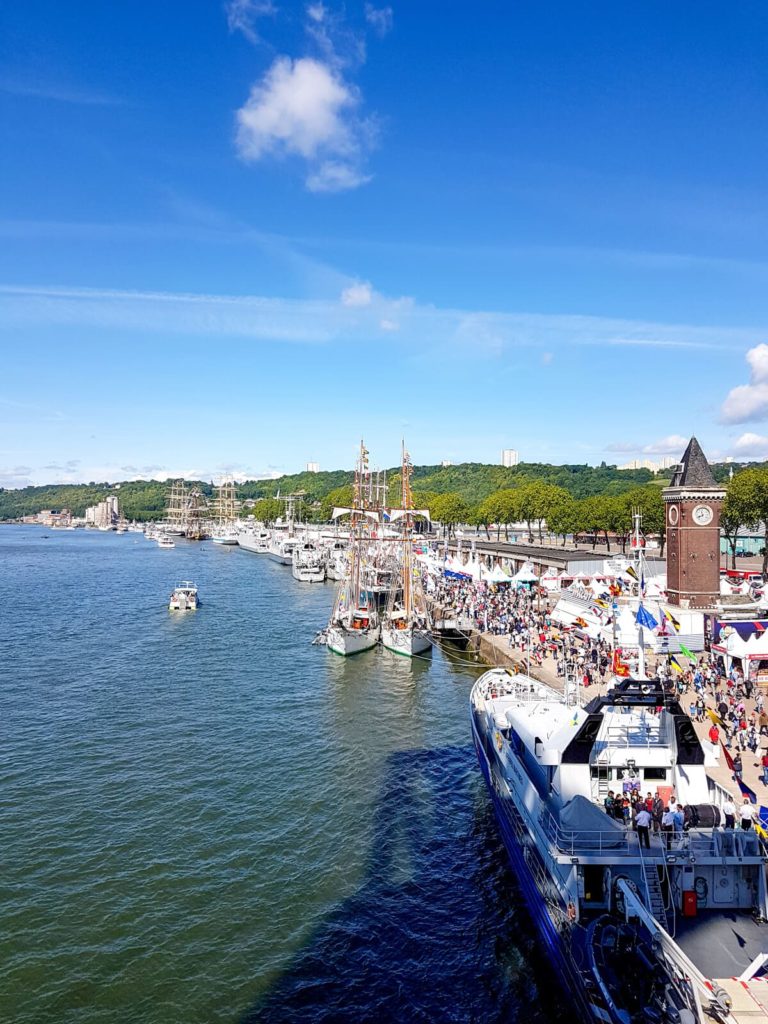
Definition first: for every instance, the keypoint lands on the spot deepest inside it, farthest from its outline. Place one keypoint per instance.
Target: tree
(449, 509)
(746, 503)
(501, 508)
(563, 517)
(267, 510)
(652, 509)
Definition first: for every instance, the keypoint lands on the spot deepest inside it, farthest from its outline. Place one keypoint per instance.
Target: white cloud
(749, 402)
(389, 325)
(357, 295)
(674, 444)
(622, 446)
(546, 358)
(379, 18)
(305, 108)
(332, 176)
(316, 12)
(242, 16)
(751, 444)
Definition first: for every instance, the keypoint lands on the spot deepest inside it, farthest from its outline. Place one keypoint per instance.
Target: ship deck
(722, 943)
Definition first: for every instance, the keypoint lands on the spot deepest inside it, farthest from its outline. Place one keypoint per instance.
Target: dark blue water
(205, 819)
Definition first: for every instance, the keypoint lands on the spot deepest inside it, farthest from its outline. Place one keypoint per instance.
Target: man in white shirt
(643, 823)
(667, 825)
(729, 811)
(747, 814)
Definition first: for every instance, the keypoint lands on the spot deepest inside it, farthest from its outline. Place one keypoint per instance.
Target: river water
(204, 819)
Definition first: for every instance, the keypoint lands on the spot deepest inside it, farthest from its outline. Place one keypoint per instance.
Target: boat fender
(721, 997)
(571, 911)
(498, 740)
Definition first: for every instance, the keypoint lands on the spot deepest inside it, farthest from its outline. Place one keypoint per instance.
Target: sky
(236, 236)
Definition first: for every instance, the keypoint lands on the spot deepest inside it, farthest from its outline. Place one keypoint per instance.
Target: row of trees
(531, 503)
(536, 503)
(746, 507)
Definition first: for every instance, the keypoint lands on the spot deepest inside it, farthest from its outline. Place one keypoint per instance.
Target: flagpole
(637, 544)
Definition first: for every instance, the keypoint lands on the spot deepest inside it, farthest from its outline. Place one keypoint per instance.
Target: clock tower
(692, 504)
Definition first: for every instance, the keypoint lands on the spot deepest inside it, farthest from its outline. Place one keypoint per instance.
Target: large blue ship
(672, 932)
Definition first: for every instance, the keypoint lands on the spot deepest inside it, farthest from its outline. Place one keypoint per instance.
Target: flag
(684, 650)
(671, 618)
(746, 791)
(676, 664)
(715, 718)
(760, 827)
(644, 618)
(631, 572)
(620, 668)
(727, 756)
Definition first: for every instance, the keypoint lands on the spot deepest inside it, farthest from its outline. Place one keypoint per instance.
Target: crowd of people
(735, 710)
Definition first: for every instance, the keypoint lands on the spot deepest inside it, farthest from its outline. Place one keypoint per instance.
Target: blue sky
(236, 236)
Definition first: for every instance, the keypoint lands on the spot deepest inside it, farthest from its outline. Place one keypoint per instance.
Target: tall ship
(404, 628)
(225, 508)
(642, 923)
(354, 623)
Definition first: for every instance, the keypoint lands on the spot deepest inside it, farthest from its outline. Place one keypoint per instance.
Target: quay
(512, 556)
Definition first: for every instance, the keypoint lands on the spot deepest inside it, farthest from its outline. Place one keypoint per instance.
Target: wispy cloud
(749, 402)
(379, 18)
(39, 89)
(243, 16)
(360, 311)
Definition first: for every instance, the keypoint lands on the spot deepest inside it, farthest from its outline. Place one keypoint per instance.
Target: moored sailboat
(405, 627)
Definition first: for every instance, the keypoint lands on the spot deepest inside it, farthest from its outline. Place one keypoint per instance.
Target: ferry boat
(308, 563)
(164, 541)
(184, 598)
(635, 934)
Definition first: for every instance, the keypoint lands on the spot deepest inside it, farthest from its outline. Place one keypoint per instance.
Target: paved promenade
(497, 651)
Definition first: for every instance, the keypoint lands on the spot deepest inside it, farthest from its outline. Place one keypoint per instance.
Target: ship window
(655, 774)
(597, 772)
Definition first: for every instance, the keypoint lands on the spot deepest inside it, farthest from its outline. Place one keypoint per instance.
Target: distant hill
(474, 481)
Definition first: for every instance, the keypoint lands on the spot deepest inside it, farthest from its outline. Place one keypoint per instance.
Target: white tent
(496, 575)
(525, 574)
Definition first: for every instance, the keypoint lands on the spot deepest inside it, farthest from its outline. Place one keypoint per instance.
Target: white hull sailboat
(354, 624)
(408, 640)
(346, 640)
(404, 629)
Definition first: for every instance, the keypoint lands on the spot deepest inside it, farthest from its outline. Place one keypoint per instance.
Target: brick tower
(692, 504)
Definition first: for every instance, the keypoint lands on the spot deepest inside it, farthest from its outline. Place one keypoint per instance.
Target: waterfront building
(666, 463)
(693, 503)
(510, 457)
(104, 515)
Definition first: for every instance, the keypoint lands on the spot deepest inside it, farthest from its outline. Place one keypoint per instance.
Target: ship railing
(698, 842)
(635, 735)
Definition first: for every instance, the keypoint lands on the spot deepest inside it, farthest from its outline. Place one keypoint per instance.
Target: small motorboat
(184, 598)
(164, 541)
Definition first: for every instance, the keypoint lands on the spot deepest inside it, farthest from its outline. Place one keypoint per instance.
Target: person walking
(729, 812)
(747, 814)
(738, 766)
(667, 825)
(643, 824)
(764, 766)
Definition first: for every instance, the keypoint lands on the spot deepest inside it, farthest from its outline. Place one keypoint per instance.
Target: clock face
(702, 515)
(674, 515)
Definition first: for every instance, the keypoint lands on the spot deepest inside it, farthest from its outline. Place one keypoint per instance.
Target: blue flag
(644, 618)
(746, 791)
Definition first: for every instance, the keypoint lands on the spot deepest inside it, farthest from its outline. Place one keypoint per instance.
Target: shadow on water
(432, 935)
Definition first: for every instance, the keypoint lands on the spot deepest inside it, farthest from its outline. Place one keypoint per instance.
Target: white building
(666, 463)
(104, 515)
(313, 467)
(509, 457)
